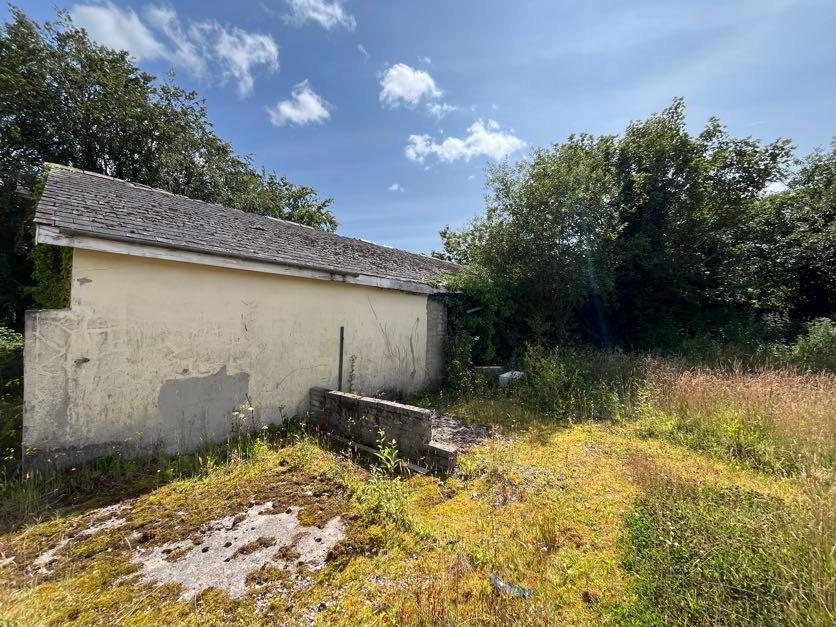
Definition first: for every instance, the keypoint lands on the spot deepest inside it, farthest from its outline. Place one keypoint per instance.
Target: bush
(816, 349)
(11, 391)
(11, 357)
(580, 384)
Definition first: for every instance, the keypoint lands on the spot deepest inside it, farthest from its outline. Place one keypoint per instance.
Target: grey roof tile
(108, 208)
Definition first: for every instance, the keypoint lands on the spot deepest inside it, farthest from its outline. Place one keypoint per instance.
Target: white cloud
(117, 28)
(483, 139)
(395, 187)
(304, 107)
(439, 109)
(238, 51)
(187, 50)
(364, 52)
(402, 84)
(426, 60)
(326, 14)
(204, 48)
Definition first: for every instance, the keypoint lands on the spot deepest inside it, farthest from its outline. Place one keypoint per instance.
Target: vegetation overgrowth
(673, 461)
(654, 239)
(619, 488)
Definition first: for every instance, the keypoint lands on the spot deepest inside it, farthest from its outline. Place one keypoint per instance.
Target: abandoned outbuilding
(180, 311)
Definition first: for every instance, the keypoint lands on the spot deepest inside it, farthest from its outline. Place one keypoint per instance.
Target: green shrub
(11, 356)
(816, 349)
(11, 391)
(580, 384)
(52, 272)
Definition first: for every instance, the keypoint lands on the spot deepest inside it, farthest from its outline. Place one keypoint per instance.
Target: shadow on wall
(198, 409)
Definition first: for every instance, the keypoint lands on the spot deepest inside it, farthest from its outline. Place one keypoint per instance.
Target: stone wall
(362, 419)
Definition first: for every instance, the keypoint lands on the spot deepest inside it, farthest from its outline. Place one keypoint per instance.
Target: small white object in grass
(506, 378)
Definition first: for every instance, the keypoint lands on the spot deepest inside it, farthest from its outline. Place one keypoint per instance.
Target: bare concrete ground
(224, 554)
(231, 548)
(98, 520)
(452, 431)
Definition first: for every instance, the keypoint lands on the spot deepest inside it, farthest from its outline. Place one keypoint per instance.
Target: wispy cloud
(395, 187)
(326, 14)
(304, 107)
(439, 109)
(426, 60)
(207, 49)
(484, 138)
(402, 84)
(364, 52)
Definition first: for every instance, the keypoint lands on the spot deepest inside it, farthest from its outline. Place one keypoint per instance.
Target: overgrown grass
(708, 555)
(617, 488)
(778, 421)
(699, 550)
(36, 494)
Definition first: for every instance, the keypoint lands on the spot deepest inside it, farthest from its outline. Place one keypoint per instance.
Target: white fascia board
(53, 235)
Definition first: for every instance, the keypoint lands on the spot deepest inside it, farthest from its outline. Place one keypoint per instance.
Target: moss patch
(540, 505)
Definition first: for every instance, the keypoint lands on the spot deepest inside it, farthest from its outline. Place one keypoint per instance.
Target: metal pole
(342, 342)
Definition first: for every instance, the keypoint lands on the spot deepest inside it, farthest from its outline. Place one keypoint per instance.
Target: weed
(384, 500)
(389, 461)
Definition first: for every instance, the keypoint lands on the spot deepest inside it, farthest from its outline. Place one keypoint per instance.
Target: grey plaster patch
(454, 432)
(198, 409)
(101, 519)
(234, 546)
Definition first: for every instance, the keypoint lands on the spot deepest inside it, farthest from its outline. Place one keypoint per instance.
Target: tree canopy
(65, 99)
(648, 237)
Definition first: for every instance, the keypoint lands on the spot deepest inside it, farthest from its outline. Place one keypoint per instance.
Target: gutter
(120, 244)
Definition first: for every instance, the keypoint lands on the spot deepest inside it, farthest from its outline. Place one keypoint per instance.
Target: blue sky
(393, 108)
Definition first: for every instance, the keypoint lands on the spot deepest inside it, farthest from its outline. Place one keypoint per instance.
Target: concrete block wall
(436, 342)
(362, 419)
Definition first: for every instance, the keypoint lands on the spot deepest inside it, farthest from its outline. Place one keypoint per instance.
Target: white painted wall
(155, 351)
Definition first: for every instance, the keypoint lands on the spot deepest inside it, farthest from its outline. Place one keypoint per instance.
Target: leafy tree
(66, 100)
(538, 252)
(793, 249)
(684, 207)
(639, 239)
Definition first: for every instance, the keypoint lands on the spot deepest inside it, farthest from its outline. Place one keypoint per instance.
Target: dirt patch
(454, 432)
(231, 548)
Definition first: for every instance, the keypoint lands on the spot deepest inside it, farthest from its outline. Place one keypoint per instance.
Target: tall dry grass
(779, 420)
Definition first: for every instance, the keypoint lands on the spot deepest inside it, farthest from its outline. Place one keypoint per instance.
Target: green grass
(703, 555)
(638, 492)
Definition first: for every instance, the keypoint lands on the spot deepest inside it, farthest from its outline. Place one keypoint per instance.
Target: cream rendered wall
(156, 352)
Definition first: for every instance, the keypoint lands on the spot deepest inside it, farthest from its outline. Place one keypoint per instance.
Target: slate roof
(85, 203)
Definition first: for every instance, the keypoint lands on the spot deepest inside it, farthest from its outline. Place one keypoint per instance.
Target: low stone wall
(361, 419)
